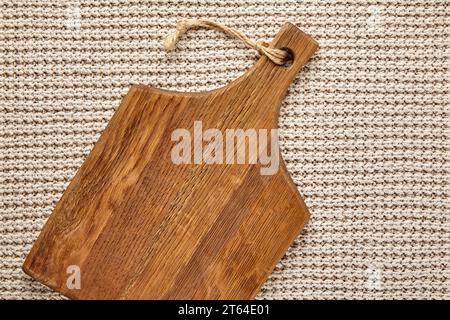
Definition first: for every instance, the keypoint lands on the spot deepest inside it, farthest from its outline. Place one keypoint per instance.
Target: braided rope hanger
(277, 56)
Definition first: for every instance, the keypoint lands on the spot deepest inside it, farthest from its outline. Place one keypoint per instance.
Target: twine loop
(277, 56)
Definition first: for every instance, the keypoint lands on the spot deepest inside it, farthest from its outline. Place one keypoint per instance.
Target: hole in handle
(289, 57)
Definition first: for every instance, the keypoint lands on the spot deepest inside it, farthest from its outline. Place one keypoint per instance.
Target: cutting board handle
(267, 81)
(299, 44)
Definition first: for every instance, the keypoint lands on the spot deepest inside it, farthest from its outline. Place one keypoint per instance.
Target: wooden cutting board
(139, 226)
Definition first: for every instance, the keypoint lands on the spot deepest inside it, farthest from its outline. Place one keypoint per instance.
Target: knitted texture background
(365, 126)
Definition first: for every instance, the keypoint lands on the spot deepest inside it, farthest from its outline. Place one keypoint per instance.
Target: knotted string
(277, 56)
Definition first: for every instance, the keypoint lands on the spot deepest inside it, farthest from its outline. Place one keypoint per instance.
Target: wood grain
(141, 227)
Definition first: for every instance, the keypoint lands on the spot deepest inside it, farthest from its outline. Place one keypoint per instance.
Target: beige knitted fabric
(365, 127)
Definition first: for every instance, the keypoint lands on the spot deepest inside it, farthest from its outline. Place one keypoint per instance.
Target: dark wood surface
(141, 227)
